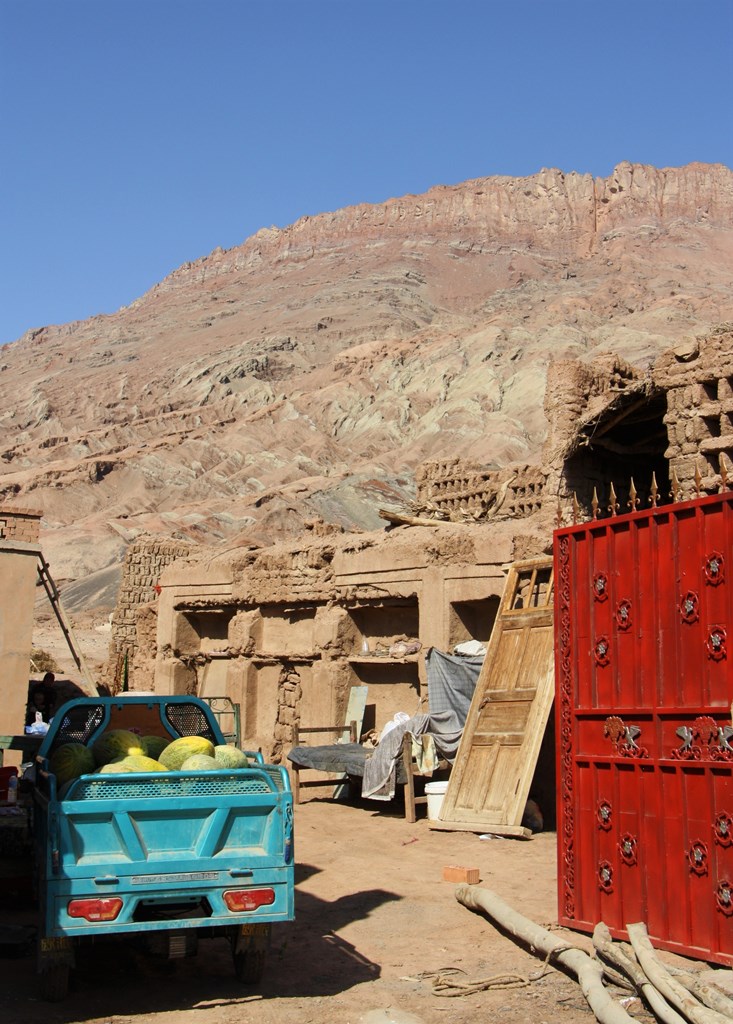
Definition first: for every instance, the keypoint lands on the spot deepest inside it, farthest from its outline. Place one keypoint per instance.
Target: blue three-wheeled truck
(169, 857)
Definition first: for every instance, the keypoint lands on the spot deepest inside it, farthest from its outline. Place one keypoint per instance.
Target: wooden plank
(355, 708)
(518, 831)
(490, 782)
(354, 714)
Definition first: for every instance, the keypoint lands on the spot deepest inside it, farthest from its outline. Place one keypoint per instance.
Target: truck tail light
(238, 900)
(95, 909)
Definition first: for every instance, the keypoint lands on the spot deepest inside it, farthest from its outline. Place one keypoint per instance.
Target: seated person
(41, 699)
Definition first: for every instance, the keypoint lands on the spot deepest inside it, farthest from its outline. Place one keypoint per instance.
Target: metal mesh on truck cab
(189, 720)
(78, 724)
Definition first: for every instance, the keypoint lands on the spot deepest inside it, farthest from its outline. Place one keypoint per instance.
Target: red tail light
(95, 909)
(238, 900)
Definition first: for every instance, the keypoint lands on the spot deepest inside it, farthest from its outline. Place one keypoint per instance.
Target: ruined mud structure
(287, 630)
(19, 554)
(134, 621)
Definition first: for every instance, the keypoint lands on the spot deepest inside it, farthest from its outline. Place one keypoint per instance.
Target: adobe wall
(696, 382)
(282, 630)
(19, 552)
(457, 491)
(698, 379)
(134, 624)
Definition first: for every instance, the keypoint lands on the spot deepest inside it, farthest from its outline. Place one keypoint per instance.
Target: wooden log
(404, 520)
(707, 994)
(588, 972)
(671, 989)
(657, 1003)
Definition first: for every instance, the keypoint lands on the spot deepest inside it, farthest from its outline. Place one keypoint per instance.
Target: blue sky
(139, 134)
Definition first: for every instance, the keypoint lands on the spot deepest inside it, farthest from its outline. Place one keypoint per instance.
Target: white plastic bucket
(435, 791)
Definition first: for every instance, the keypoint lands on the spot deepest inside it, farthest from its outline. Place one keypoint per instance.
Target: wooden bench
(341, 733)
(406, 767)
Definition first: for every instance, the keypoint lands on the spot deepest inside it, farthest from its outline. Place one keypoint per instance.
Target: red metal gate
(643, 660)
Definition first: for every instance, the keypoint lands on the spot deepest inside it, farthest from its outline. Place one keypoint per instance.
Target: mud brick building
(286, 631)
(19, 553)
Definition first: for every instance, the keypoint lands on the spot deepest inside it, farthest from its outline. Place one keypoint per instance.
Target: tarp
(380, 770)
(452, 679)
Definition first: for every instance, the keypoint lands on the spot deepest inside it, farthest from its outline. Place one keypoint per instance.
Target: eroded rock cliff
(308, 371)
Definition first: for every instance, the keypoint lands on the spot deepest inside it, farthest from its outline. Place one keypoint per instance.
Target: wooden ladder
(44, 574)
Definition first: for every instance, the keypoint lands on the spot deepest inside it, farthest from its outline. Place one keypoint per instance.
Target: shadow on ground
(307, 959)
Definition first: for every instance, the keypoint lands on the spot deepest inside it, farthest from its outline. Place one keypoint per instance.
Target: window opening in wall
(392, 686)
(712, 425)
(627, 440)
(472, 620)
(287, 631)
(710, 390)
(205, 631)
(377, 627)
(712, 462)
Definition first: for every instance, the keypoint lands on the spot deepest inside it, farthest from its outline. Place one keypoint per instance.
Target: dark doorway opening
(626, 442)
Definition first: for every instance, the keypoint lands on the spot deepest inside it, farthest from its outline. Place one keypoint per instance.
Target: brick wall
(461, 491)
(144, 562)
(20, 525)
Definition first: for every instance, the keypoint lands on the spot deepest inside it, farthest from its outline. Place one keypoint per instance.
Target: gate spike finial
(612, 503)
(676, 492)
(576, 508)
(654, 492)
(698, 479)
(723, 471)
(633, 501)
(594, 503)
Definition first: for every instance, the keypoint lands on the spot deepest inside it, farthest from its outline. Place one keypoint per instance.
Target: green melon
(154, 745)
(181, 749)
(70, 761)
(229, 756)
(200, 763)
(116, 743)
(132, 763)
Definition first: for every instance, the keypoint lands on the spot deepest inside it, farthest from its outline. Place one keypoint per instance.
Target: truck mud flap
(250, 946)
(54, 963)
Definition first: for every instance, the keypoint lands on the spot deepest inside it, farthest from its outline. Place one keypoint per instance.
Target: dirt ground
(374, 922)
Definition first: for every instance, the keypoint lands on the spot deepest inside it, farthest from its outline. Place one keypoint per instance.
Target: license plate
(54, 943)
(181, 876)
(253, 929)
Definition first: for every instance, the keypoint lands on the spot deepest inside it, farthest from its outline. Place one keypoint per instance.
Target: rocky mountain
(308, 371)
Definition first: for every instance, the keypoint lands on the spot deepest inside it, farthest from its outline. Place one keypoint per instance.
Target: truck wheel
(249, 966)
(54, 983)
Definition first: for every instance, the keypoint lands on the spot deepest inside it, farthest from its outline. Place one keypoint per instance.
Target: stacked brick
(524, 494)
(460, 491)
(144, 562)
(699, 416)
(20, 525)
(284, 576)
(288, 701)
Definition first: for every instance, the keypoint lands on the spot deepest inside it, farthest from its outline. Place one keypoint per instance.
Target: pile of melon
(119, 751)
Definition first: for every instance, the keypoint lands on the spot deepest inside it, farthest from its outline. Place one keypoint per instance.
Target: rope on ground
(546, 966)
(447, 985)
